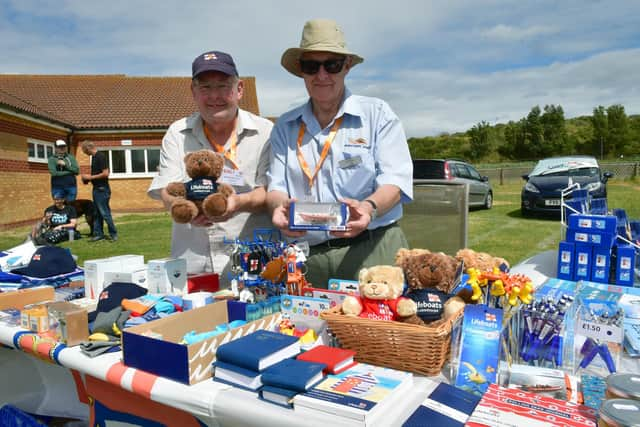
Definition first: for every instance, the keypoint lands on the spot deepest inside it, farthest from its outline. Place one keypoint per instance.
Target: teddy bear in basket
(481, 261)
(431, 277)
(203, 194)
(380, 295)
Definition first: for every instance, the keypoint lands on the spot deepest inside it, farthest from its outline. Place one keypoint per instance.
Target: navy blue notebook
(236, 375)
(293, 374)
(258, 350)
(446, 406)
(277, 395)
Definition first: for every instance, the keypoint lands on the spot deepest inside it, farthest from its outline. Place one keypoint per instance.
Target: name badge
(350, 162)
(232, 177)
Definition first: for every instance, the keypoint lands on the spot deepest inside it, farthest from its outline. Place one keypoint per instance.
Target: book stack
(241, 362)
(359, 395)
(282, 381)
(335, 359)
(445, 406)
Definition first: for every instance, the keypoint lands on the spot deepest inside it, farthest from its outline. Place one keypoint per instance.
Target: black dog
(87, 208)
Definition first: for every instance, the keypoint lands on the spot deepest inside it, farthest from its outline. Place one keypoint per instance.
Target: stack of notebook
(242, 361)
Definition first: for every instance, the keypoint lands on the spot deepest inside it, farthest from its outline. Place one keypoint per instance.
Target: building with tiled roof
(125, 116)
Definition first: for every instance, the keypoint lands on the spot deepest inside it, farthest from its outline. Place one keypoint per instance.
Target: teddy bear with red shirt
(380, 296)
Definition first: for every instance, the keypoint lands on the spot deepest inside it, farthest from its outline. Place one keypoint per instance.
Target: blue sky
(443, 66)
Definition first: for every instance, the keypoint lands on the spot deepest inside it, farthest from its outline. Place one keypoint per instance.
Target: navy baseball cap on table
(48, 261)
(112, 296)
(214, 61)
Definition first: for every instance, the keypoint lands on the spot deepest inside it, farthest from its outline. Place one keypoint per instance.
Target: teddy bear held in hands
(203, 194)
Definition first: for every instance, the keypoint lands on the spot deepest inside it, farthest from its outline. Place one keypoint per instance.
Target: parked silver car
(480, 191)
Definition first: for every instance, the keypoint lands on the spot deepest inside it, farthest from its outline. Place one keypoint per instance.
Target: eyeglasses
(207, 88)
(331, 66)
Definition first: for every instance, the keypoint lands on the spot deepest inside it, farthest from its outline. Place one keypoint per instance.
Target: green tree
(554, 133)
(600, 131)
(618, 130)
(534, 142)
(479, 140)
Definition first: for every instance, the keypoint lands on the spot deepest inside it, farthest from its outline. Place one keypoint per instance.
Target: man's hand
(359, 219)
(280, 219)
(201, 221)
(85, 178)
(232, 209)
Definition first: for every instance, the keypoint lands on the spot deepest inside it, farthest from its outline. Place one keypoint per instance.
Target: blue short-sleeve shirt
(369, 150)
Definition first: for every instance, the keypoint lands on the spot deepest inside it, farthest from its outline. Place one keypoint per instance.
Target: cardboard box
(601, 265)
(566, 260)
(584, 254)
(625, 265)
(188, 364)
(596, 238)
(167, 275)
(208, 282)
(587, 222)
(138, 277)
(95, 269)
(69, 322)
(21, 297)
(129, 262)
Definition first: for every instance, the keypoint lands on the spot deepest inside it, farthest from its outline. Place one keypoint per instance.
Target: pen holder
(542, 334)
(598, 339)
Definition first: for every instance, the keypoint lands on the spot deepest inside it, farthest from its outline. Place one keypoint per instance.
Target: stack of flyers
(593, 390)
(502, 407)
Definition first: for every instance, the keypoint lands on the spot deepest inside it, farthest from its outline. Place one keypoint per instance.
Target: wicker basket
(420, 349)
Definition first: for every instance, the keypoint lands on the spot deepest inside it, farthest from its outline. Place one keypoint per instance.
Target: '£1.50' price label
(599, 331)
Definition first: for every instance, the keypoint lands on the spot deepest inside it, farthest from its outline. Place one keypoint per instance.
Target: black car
(480, 191)
(544, 184)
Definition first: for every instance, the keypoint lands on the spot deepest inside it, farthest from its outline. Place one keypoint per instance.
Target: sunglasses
(331, 66)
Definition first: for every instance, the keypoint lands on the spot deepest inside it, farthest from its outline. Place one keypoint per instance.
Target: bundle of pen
(542, 324)
(599, 337)
(507, 292)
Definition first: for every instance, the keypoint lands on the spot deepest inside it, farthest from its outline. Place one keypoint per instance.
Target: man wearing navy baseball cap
(214, 61)
(241, 138)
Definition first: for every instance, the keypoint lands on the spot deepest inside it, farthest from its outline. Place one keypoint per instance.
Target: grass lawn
(501, 231)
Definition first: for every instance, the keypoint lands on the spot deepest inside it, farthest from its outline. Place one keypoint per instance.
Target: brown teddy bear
(431, 278)
(202, 194)
(380, 297)
(481, 261)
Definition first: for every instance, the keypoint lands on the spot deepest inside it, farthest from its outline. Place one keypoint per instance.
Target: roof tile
(107, 101)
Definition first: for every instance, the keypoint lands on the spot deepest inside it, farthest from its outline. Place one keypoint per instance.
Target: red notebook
(336, 359)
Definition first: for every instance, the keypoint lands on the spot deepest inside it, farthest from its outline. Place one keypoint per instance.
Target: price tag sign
(599, 331)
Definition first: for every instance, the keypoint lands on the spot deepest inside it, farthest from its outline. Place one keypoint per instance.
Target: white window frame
(127, 160)
(36, 143)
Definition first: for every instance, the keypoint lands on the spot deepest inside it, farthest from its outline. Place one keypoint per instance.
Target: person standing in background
(339, 147)
(99, 177)
(242, 138)
(63, 168)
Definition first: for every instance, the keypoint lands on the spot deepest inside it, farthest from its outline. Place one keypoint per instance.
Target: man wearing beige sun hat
(339, 147)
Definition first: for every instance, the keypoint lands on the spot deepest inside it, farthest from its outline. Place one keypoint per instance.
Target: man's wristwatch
(374, 211)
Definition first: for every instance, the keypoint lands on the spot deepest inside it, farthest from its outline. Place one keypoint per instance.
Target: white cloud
(510, 33)
(441, 65)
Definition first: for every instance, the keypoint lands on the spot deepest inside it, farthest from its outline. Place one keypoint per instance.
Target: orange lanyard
(323, 154)
(229, 154)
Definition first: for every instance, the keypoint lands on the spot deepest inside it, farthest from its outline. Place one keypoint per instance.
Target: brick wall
(26, 186)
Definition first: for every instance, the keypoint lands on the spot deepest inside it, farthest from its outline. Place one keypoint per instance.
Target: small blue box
(584, 253)
(586, 222)
(592, 237)
(625, 265)
(601, 264)
(566, 260)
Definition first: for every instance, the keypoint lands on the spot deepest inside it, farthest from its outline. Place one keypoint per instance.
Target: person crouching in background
(57, 225)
